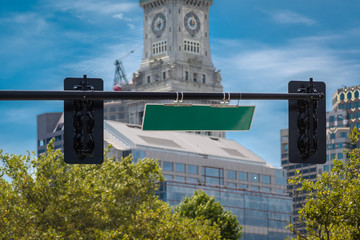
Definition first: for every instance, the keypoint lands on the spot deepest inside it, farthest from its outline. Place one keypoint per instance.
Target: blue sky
(258, 45)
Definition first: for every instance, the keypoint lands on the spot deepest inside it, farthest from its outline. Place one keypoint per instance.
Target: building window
(266, 179)
(254, 177)
(159, 47)
(266, 189)
(339, 117)
(41, 143)
(340, 156)
(243, 176)
(213, 176)
(180, 167)
(331, 119)
(343, 134)
(168, 166)
(342, 97)
(191, 46)
(349, 105)
(242, 186)
(349, 95)
(164, 75)
(168, 177)
(255, 188)
(332, 136)
(192, 169)
(203, 78)
(195, 77)
(231, 185)
(148, 79)
(57, 138)
(192, 180)
(356, 95)
(231, 174)
(180, 179)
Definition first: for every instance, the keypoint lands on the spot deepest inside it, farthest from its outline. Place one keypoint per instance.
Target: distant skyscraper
(344, 116)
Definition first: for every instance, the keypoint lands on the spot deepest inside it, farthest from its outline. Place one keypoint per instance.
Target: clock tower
(176, 53)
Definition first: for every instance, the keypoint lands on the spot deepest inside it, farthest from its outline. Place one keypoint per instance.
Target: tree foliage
(332, 208)
(202, 206)
(48, 199)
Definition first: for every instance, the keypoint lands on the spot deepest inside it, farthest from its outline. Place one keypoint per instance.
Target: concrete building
(243, 182)
(339, 122)
(50, 125)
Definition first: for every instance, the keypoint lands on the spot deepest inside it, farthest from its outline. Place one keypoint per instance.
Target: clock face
(192, 23)
(158, 24)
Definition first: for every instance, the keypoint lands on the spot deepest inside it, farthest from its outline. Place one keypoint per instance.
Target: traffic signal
(307, 124)
(83, 124)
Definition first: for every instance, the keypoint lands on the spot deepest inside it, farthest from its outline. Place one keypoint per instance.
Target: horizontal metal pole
(105, 95)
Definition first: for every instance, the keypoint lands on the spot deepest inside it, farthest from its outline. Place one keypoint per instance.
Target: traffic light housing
(307, 124)
(83, 124)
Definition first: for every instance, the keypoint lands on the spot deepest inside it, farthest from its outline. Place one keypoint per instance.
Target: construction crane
(120, 78)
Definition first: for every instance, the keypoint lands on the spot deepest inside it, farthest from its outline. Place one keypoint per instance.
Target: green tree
(48, 199)
(332, 208)
(202, 206)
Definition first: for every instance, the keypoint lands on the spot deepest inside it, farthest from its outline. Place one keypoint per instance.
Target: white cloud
(119, 16)
(27, 23)
(102, 7)
(267, 68)
(289, 17)
(131, 26)
(254, 67)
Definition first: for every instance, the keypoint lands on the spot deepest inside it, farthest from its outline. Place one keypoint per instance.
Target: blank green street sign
(197, 118)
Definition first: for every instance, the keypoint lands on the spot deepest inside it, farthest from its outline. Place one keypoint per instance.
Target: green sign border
(188, 117)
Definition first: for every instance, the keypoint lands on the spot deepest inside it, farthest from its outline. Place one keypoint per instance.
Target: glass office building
(244, 183)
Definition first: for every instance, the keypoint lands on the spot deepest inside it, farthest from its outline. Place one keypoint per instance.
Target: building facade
(50, 125)
(244, 183)
(339, 122)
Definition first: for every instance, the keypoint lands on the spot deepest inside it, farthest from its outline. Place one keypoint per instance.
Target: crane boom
(120, 78)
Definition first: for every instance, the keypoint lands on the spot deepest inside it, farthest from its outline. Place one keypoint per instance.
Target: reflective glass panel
(231, 174)
(168, 166)
(180, 167)
(243, 176)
